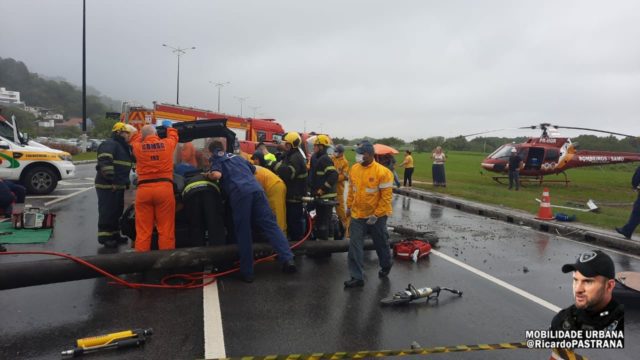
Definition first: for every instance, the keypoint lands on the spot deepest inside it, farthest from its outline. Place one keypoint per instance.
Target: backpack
(411, 249)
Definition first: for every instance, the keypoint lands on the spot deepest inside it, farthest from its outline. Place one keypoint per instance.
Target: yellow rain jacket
(370, 191)
(342, 166)
(276, 192)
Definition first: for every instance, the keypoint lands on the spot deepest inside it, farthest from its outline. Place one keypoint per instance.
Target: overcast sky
(410, 69)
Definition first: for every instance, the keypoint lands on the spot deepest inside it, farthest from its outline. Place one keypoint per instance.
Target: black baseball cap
(591, 264)
(365, 148)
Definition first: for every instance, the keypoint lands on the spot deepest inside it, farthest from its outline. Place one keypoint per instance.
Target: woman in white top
(437, 168)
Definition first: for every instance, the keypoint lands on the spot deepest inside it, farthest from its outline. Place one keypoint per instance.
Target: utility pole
(83, 140)
(178, 51)
(254, 108)
(242, 100)
(219, 85)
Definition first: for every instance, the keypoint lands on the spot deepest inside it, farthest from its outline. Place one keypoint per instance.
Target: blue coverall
(249, 208)
(634, 218)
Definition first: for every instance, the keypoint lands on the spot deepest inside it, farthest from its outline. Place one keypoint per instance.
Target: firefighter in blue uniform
(249, 209)
(323, 178)
(292, 169)
(112, 179)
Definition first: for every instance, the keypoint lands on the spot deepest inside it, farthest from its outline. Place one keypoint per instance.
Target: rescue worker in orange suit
(249, 207)
(342, 167)
(204, 208)
(276, 192)
(112, 179)
(155, 201)
(322, 183)
(292, 169)
(369, 205)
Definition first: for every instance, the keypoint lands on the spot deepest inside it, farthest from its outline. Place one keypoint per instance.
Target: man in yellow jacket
(342, 166)
(369, 206)
(276, 192)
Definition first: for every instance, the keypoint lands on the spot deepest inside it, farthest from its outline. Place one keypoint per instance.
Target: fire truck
(249, 131)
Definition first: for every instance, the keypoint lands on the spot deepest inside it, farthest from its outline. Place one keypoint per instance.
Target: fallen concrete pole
(39, 272)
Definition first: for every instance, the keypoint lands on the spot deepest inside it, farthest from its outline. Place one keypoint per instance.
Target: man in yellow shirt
(342, 166)
(369, 206)
(276, 192)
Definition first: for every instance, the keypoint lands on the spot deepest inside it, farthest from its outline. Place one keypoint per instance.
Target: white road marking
(213, 334)
(497, 281)
(42, 197)
(70, 189)
(63, 182)
(66, 197)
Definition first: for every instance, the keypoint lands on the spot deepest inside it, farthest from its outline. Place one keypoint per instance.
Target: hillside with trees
(58, 95)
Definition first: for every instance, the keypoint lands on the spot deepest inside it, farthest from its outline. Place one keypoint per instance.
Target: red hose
(191, 281)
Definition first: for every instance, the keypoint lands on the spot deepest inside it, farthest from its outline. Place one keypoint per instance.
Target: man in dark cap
(369, 206)
(594, 307)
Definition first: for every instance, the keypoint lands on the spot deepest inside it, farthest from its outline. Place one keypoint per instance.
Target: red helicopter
(551, 154)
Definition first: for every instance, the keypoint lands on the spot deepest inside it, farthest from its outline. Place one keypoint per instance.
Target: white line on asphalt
(66, 197)
(599, 247)
(213, 334)
(42, 197)
(62, 182)
(69, 189)
(89, 179)
(497, 281)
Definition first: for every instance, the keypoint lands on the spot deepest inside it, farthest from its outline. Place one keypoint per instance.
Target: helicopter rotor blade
(596, 130)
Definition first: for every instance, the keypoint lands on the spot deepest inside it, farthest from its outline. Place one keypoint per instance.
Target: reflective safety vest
(370, 191)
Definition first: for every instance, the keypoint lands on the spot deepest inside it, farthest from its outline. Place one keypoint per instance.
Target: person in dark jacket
(11, 194)
(514, 169)
(323, 178)
(634, 218)
(250, 209)
(594, 307)
(112, 179)
(204, 208)
(292, 169)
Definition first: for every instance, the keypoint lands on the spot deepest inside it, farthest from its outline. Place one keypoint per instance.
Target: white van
(35, 166)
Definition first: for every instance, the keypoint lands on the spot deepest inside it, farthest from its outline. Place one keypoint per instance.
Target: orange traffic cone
(544, 213)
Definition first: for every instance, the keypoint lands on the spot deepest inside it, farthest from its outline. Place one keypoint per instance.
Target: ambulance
(33, 165)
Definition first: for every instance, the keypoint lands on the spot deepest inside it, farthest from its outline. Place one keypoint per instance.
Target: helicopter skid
(534, 180)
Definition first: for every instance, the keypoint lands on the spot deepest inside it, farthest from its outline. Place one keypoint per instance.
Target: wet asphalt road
(310, 311)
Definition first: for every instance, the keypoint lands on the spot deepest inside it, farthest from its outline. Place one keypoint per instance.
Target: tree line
(489, 144)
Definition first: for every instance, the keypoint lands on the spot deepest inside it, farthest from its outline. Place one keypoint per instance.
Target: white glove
(372, 220)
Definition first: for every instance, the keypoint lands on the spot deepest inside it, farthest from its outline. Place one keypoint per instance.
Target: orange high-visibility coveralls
(155, 202)
(276, 192)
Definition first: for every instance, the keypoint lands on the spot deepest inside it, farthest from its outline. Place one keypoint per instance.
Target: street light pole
(242, 100)
(254, 108)
(219, 85)
(178, 51)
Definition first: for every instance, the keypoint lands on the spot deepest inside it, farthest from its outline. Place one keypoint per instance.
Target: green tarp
(23, 236)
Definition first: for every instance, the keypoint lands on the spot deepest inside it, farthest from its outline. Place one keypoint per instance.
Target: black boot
(289, 267)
